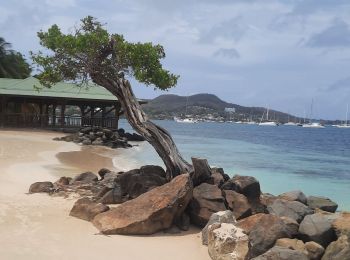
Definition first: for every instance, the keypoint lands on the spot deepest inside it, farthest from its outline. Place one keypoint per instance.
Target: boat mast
(267, 115)
(346, 116)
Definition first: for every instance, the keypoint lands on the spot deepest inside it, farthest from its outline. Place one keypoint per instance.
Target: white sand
(38, 226)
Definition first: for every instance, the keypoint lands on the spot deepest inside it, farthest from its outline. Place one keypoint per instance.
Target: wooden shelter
(26, 103)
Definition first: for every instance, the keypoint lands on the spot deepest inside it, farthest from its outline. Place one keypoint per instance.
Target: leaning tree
(90, 53)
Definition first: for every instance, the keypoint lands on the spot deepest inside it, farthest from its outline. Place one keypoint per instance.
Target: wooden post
(47, 114)
(63, 109)
(103, 116)
(117, 108)
(41, 108)
(3, 111)
(54, 106)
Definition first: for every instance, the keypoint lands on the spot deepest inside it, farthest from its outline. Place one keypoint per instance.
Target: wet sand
(38, 226)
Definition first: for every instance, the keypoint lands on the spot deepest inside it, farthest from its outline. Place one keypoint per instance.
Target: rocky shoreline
(96, 135)
(239, 221)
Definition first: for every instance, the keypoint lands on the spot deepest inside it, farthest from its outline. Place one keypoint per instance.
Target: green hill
(204, 106)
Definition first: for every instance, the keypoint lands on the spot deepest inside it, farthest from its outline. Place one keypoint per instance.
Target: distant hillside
(204, 105)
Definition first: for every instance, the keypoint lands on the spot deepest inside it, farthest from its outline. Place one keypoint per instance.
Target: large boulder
(218, 217)
(338, 250)
(138, 181)
(265, 233)
(341, 224)
(87, 209)
(246, 185)
(149, 213)
(317, 227)
(63, 181)
(295, 195)
(281, 253)
(85, 177)
(247, 224)
(207, 199)
(226, 241)
(291, 209)
(201, 171)
(238, 203)
(267, 199)
(41, 187)
(323, 203)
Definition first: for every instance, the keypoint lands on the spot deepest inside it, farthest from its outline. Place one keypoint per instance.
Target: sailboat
(312, 124)
(345, 125)
(290, 123)
(267, 122)
(187, 119)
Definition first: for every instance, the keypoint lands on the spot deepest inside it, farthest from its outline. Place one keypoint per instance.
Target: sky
(280, 54)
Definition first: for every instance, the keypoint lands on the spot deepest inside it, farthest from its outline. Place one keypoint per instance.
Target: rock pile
(240, 222)
(102, 136)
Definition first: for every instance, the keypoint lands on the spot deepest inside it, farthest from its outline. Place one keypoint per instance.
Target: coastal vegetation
(91, 53)
(12, 63)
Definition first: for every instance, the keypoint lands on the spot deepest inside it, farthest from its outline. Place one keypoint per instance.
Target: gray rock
(183, 222)
(323, 203)
(318, 228)
(296, 195)
(86, 142)
(292, 226)
(218, 217)
(41, 187)
(226, 241)
(291, 209)
(281, 253)
(338, 250)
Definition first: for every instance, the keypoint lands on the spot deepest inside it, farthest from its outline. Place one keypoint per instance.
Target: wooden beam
(54, 106)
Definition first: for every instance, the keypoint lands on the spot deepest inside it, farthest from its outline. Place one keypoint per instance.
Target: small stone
(41, 187)
(323, 203)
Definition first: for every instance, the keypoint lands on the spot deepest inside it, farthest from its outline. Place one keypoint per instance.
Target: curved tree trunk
(157, 136)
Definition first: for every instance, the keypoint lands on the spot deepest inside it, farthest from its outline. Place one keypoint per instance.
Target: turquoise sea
(283, 158)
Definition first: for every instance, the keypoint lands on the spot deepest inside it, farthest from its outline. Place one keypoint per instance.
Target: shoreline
(39, 226)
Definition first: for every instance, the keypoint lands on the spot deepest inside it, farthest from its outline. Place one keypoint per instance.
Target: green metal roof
(25, 87)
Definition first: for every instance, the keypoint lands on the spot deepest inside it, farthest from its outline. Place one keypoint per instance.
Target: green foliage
(12, 63)
(91, 51)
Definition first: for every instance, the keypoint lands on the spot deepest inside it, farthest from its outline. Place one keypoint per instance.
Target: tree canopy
(90, 49)
(12, 63)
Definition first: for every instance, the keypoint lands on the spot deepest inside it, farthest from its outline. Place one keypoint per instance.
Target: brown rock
(247, 185)
(63, 181)
(39, 187)
(238, 203)
(248, 223)
(86, 177)
(207, 199)
(265, 233)
(314, 250)
(341, 224)
(201, 171)
(86, 209)
(294, 244)
(267, 199)
(281, 253)
(151, 212)
(338, 250)
(323, 203)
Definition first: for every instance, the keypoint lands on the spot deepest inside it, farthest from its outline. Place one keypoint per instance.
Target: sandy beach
(38, 226)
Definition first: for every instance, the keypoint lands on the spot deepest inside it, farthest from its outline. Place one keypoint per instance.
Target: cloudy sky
(276, 53)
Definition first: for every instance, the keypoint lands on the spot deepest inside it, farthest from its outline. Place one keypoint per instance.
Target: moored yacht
(313, 125)
(267, 122)
(345, 125)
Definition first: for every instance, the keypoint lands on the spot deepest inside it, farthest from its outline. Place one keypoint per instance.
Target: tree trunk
(157, 136)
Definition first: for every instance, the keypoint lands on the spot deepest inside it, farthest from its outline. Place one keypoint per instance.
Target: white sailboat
(187, 120)
(345, 125)
(267, 122)
(312, 124)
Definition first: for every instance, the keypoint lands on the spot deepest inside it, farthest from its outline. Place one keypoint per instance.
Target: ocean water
(283, 158)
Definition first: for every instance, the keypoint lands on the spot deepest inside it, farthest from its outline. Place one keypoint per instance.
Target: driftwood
(157, 136)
